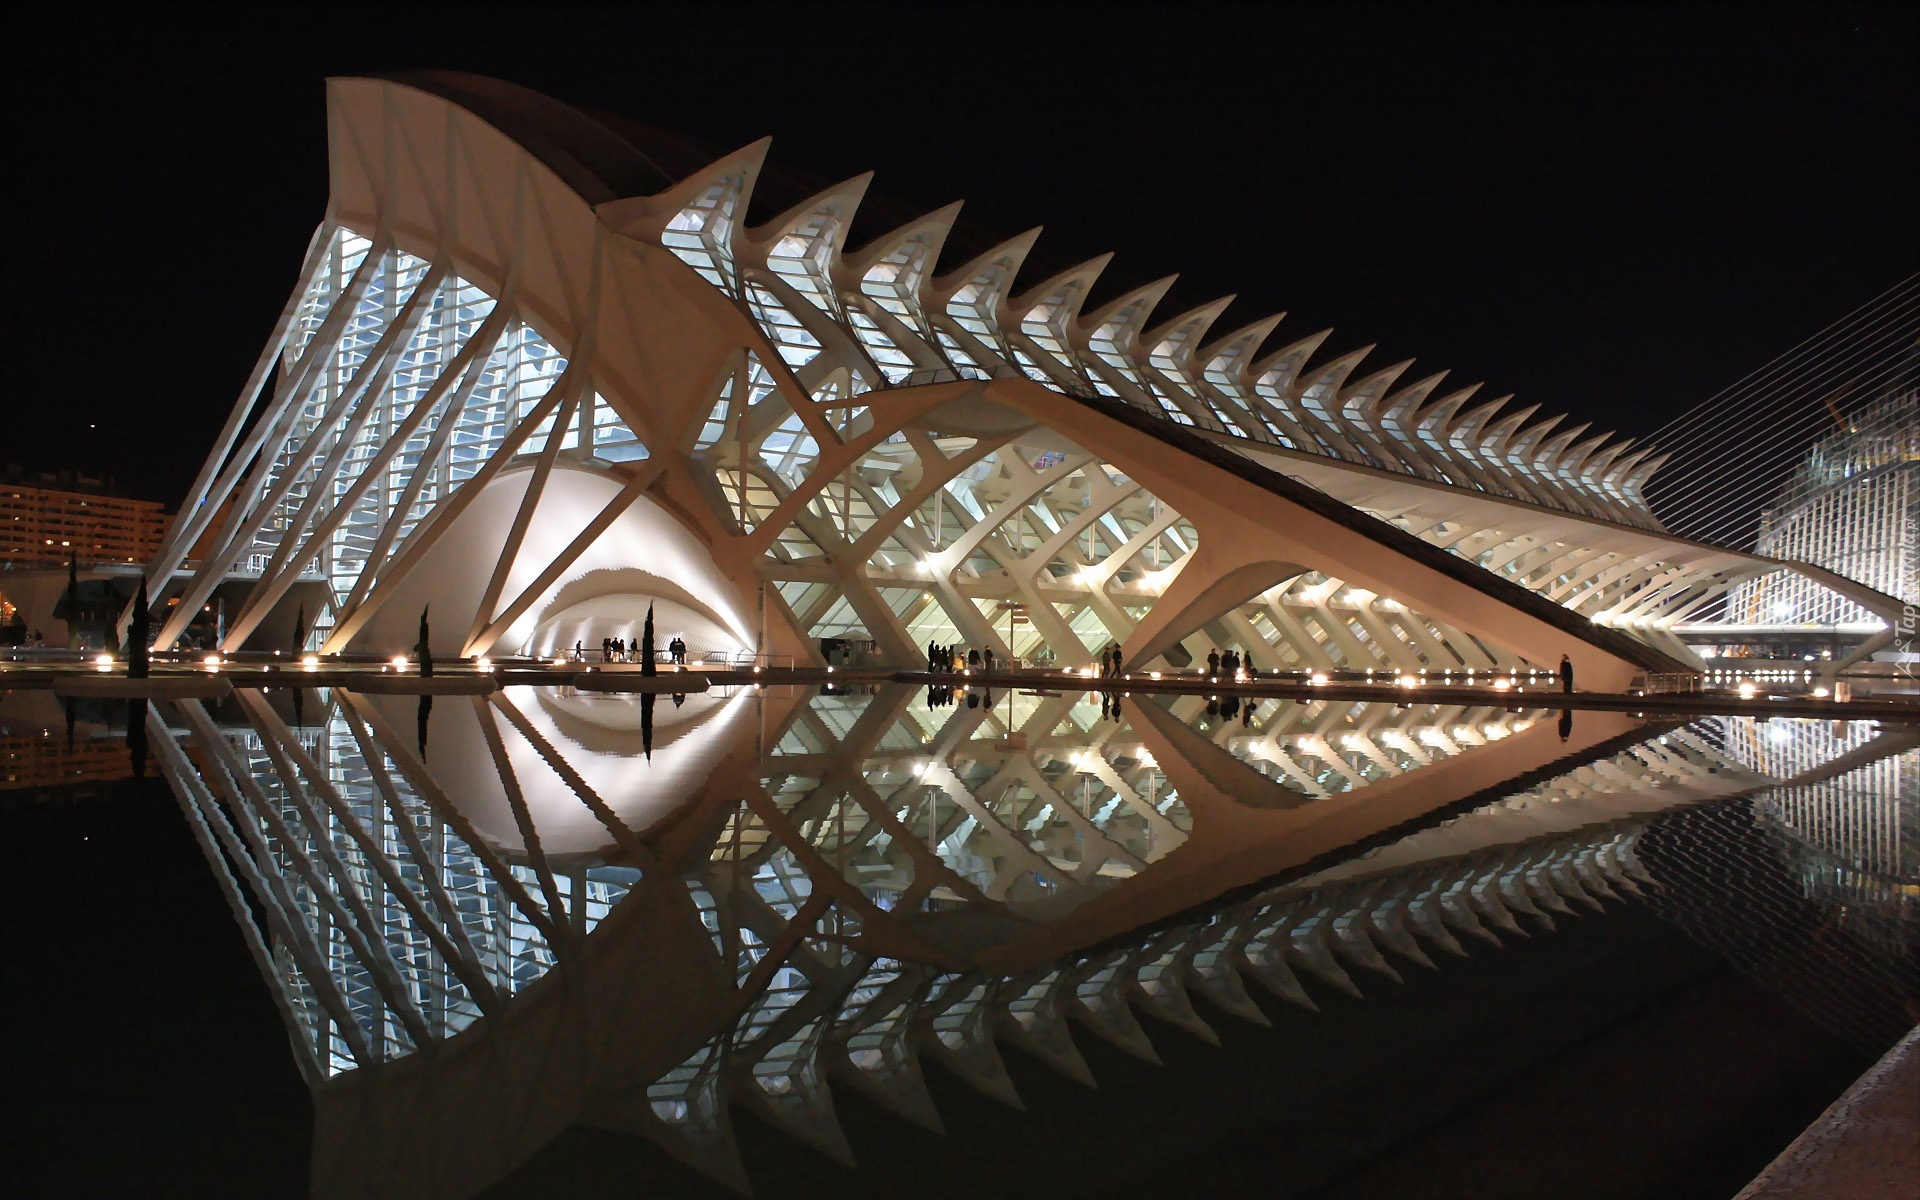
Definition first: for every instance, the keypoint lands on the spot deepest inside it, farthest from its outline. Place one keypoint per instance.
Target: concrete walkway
(1865, 1147)
(1535, 692)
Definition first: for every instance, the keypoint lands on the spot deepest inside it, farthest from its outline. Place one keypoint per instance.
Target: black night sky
(1614, 211)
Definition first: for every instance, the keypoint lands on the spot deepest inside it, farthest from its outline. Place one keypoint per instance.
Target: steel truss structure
(885, 882)
(527, 381)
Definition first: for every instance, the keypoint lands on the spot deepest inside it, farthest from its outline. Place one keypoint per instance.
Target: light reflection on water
(741, 896)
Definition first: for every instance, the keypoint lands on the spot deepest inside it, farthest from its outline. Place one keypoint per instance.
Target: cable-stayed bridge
(1815, 458)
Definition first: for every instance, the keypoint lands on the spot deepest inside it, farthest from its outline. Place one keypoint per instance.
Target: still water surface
(898, 942)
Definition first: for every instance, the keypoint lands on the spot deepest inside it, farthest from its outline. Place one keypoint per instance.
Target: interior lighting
(311, 662)
(1318, 680)
(103, 661)
(1821, 693)
(1501, 685)
(1153, 674)
(399, 662)
(1746, 690)
(1408, 681)
(211, 662)
(484, 663)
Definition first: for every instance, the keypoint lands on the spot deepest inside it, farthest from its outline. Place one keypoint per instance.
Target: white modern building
(530, 379)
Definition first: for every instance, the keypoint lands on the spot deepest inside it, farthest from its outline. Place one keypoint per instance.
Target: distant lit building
(55, 517)
(1852, 507)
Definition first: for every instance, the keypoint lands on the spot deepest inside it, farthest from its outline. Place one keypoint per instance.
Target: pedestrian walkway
(1865, 1147)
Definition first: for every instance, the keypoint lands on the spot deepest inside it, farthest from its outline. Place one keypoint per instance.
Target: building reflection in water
(569, 908)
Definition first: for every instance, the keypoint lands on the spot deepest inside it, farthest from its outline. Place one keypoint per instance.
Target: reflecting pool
(490, 923)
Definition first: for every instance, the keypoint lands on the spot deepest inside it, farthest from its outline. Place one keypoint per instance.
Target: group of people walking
(1230, 665)
(947, 660)
(620, 650)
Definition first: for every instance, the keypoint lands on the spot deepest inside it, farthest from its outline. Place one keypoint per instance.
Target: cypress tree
(646, 643)
(73, 599)
(139, 629)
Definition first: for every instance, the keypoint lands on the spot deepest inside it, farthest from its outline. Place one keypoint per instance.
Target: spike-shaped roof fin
(895, 268)
(803, 244)
(1226, 359)
(698, 219)
(1120, 320)
(1360, 401)
(1276, 374)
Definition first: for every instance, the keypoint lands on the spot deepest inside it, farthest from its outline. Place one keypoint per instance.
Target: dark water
(1667, 1042)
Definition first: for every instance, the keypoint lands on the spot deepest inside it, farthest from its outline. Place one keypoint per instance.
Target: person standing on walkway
(1213, 664)
(1566, 673)
(1116, 660)
(987, 654)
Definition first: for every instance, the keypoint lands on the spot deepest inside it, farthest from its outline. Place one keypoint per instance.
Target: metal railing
(1671, 683)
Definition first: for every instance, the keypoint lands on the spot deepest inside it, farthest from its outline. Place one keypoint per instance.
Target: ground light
(483, 663)
(211, 662)
(399, 662)
(311, 662)
(103, 661)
